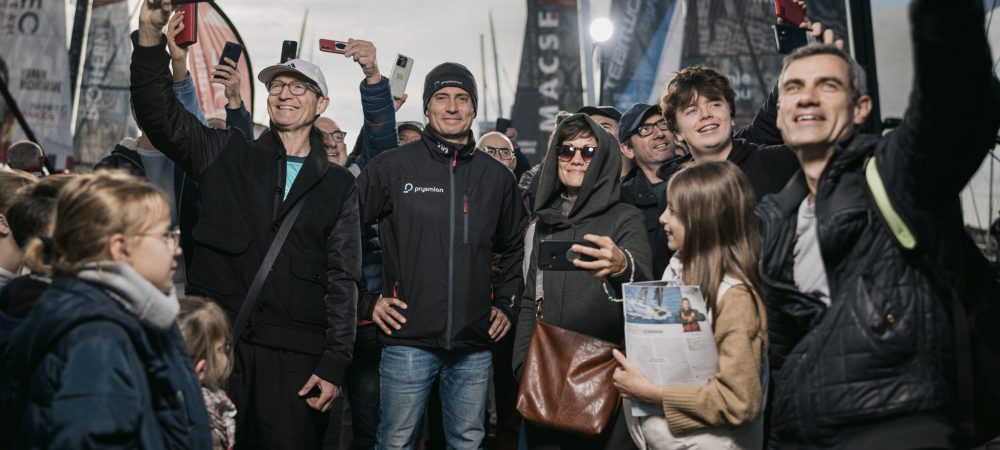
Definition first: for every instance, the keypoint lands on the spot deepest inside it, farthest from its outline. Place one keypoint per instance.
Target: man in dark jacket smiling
(442, 209)
(861, 343)
(299, 338)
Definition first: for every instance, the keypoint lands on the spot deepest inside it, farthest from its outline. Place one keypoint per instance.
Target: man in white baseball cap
(293, 331)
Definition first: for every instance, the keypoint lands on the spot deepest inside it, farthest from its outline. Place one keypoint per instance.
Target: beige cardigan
(733, 397)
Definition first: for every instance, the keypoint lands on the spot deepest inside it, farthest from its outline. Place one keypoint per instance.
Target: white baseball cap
(299, 66)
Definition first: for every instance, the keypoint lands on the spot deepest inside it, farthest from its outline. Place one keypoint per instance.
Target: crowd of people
(207, 288)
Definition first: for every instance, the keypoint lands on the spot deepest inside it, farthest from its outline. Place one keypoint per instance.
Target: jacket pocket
(308, 302)
(225, 239)
(214, 269)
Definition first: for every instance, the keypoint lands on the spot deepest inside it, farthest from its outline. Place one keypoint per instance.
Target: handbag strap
(250, 301)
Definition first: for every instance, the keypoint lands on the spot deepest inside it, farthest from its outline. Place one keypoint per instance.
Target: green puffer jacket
(575, 300)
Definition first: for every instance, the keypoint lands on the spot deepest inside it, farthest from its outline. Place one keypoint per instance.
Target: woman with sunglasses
(577, 200)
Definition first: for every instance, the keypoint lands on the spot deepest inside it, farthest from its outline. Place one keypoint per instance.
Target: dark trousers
(505, 392)
(363, 387)
(270, 414)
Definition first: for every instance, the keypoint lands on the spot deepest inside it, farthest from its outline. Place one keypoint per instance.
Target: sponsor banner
(214, 30)
(655, 38)
(103, 117)
(549, 79)
(34, 63)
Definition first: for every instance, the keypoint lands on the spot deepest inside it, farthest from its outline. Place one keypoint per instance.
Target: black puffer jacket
(884, 348)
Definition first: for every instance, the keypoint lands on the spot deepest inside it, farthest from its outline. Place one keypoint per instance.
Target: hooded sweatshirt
(104, 364)
(574, 299)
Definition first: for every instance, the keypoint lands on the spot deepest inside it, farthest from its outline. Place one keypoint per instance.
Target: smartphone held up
(331, 46)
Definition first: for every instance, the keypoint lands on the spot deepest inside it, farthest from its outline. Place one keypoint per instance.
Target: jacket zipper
(465, 210)
(451, 248)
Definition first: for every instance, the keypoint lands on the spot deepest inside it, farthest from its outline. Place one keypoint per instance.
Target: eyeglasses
(336, 136)
(646, 129)
(172, 238)
(295, 87)
(566, 153)
(500, 153)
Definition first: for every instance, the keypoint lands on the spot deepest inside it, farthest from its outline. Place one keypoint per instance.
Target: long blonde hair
(204, 326)
(90, 209)
(715, 202)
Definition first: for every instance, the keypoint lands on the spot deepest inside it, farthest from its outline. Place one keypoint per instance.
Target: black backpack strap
(250, 301)
(959, 319)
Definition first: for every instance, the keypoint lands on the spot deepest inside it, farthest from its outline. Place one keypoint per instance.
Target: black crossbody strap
(250, 301)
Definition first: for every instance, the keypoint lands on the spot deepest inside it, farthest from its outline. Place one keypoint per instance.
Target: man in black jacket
(442, 209)
(862, 351)
(298, 341)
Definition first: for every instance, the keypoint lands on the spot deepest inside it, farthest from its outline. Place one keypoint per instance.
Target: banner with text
(549, 79)
(102, 111)
(34, 63)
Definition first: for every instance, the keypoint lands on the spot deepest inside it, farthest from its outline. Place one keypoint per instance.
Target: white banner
(102, 115)
(34, 62)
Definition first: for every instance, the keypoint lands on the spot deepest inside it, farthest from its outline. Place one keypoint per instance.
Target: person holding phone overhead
(277, 244)
(578, 200)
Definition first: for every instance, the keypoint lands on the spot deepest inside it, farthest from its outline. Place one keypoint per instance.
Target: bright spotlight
(601, 29)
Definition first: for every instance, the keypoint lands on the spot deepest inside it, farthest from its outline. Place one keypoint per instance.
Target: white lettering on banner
(619, 54)
(548, 64)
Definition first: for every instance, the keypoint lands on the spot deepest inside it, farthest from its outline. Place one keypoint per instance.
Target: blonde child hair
(204, 327)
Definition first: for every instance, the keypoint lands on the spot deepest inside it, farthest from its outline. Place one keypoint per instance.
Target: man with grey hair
(864, 250)
(294, 340)
(499, 147)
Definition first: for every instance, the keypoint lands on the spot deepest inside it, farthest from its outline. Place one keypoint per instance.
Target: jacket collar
(444, 150)
(313, 169)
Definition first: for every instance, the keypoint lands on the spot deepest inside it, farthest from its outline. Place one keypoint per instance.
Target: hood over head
(601, 186)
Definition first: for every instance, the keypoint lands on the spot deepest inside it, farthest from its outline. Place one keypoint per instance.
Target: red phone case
(189, 35)
(789, 11)
(331, 46)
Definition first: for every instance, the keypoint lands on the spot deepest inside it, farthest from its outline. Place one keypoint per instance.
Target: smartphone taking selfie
(400, 75)
(289, 50)
(558, 255)
(790, 12)
(331, 46)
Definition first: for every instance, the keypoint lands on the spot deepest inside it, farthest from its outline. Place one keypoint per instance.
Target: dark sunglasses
(566, 153)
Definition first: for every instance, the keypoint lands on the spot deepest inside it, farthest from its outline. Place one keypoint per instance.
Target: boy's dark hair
(31, 214)
(690, 83)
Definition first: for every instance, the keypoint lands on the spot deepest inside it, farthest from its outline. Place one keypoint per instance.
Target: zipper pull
(395, 290)
(454, 162)
(466, 200)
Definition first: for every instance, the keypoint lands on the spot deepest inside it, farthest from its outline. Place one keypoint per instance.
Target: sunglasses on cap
(566, 153)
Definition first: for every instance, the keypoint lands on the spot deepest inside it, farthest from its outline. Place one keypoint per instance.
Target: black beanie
(451, 75)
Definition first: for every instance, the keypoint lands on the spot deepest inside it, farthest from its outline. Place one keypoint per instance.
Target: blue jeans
(407, 374)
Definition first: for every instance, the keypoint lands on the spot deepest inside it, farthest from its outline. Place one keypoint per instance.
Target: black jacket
(186, 195)
(756, 150)
(883, 348)
(308, 303)
(442, 209)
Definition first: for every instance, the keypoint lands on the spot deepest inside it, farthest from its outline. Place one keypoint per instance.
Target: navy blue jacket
(93, 376)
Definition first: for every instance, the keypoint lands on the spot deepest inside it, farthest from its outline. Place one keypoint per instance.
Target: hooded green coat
(575, 300)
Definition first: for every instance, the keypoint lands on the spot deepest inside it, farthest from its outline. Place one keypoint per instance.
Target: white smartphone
(400, 75)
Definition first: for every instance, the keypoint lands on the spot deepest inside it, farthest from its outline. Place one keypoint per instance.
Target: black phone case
(502, 125)
(789, 38)
(232, 51)
(289, 50)
(556, 255)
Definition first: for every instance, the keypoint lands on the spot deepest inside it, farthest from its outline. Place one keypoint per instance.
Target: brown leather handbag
(567, 380)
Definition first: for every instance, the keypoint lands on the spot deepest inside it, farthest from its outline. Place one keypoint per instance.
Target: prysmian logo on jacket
(409, 187)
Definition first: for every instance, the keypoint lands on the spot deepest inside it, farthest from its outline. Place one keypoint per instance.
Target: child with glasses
(100, 352)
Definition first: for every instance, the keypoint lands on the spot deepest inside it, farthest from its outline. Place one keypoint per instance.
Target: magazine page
(668, 335)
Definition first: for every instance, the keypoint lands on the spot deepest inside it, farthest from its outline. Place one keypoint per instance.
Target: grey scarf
(137, 295)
